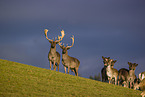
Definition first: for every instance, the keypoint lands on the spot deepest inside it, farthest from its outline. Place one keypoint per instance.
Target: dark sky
(110, 28)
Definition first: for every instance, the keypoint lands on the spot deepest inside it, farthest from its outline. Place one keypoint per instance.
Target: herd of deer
(123, 77)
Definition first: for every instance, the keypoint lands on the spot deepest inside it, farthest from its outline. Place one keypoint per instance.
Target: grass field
(20, 80)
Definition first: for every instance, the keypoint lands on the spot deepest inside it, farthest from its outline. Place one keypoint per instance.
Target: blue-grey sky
(110, 28)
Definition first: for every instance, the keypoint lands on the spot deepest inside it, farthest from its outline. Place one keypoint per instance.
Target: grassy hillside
(23, 80)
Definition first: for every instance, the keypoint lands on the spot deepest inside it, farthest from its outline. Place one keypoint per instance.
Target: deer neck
(53, 50)
(65, 56)
(131, 72)
(109, 68)
(109, 71)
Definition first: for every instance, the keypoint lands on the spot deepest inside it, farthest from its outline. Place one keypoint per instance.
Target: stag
(69, 62)
(53, 55)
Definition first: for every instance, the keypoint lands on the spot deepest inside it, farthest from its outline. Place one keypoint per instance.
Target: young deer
(103, 71)
(53, 55)
(111, 72)
(131, 75)
(69, 62)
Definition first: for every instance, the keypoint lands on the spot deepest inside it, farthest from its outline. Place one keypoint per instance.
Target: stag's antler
(61, 37)
(60, 43)
(46, 30)
(72, 42)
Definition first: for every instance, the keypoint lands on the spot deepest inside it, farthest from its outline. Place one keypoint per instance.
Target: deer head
(53, 43)
(132, 66)
(105, 60)
(109, 62)
(64, 49)
(113, 62)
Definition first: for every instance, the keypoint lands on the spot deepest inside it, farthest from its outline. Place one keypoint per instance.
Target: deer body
(104, 75)
(54, 58)
(53, 55)
(69, 62)
(112, 73)
(122, 76)
(131, 76)
(141, 85)
(103, 71)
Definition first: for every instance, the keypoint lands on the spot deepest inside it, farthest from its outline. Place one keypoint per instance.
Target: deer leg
(102, 78)
(118, 80)
(58, 67)
(130, 85)
(65, 69)
(115, 80)
(50, 64)
(54, 66)
(68, 70)
(76, 71)
(109, 80)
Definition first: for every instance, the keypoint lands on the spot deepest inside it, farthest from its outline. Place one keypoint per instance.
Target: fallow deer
(131, 75)
(111, 72)
(53, 55)
(103, 71)
(141, 85)
(69, 62)
(122, 76)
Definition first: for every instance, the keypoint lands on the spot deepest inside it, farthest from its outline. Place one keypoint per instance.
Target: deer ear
(136, 65)
(68, 48)
(128, 63)
(111, 60)
(115, 61)
(103, 58)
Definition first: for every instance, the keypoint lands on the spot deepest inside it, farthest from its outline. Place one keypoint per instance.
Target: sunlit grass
(23, 80)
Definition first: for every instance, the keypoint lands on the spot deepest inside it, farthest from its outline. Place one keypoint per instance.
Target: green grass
(20, 80)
